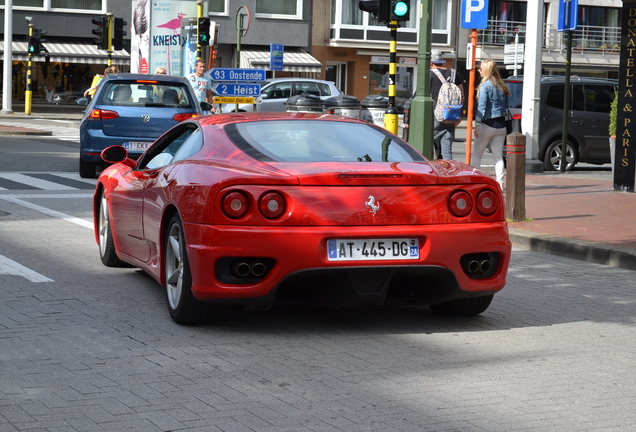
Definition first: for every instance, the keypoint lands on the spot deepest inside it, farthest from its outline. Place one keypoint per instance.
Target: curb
(34, 132)
(582, 250)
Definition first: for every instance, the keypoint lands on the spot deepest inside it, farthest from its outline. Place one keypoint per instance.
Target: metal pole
(7, 75)
(566, 106)
(421, 116)
(391, 113)
(109, 39)
(199, 15)
(469, 97)
(28, 94)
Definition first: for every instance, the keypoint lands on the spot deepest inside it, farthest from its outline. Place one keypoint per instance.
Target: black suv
(588, 136)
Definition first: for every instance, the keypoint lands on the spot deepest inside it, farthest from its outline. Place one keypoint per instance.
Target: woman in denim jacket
(490, 128)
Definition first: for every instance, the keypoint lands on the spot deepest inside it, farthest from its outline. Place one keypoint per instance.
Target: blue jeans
(443, 135)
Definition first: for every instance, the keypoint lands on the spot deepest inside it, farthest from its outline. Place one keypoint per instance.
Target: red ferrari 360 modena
(254, 208)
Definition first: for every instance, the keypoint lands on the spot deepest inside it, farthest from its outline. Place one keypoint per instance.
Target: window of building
(217, 6)
(76, 4)
(26, 3)
(279, 8)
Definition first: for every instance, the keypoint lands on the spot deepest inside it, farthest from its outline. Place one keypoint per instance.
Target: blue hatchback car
(133, 110)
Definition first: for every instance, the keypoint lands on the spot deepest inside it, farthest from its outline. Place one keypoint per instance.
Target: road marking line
(11, 267)
(35, 182)
(48, 211)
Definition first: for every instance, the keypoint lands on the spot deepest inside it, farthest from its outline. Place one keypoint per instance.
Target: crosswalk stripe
(44, 181)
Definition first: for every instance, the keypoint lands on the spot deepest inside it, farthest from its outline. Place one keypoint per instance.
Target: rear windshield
(319, 141)
(155, 94)
(515, 99)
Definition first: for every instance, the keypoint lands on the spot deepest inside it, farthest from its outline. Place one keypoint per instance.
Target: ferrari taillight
(183, 116)
(235, 204)
(98, 114)
(487, 202)
(460, 203)
(271, 205)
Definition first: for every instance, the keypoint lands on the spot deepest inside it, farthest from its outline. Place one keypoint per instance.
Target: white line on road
(53, 213)
(35, 182)
(11, 267)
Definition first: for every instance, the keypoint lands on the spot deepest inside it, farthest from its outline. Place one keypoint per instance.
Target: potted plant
(612, 126)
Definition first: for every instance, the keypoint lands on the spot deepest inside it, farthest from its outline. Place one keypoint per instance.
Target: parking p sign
(474, 14)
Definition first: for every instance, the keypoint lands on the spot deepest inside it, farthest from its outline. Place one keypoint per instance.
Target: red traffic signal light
(100, 32)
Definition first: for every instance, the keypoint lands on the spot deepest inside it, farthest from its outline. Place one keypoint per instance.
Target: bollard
(516, 177)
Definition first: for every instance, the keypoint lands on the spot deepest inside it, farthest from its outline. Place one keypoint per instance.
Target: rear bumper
(299, 257)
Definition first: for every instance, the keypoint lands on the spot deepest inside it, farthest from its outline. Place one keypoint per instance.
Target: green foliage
(613, 115)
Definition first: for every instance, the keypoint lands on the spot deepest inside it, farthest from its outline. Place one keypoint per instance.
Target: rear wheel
(105, 235)
(462, 307)
(552, 158)
(183, 307)
(86, 169)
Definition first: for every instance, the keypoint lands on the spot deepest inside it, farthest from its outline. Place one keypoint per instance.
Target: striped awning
(84, 53)
(294, 59)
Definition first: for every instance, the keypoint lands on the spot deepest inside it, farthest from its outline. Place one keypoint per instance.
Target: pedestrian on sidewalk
(490, 125)
(443, 133)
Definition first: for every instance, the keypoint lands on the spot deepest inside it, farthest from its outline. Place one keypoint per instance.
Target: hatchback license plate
(137, 145)
(373, 249)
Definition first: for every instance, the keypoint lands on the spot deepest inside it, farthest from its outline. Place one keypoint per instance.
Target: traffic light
(101, 32)
(204, 31)
(399, 10)
(118, 34)
(39, 34)
(379, 9)
(34, 46)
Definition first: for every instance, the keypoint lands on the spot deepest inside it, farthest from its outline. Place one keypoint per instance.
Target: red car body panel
(325, 200)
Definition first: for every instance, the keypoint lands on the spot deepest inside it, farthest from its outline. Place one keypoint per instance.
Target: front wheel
(462, 307)
(183, 307)
(552, 158)
(107, 251)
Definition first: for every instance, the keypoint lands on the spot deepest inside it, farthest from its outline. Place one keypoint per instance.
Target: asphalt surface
(575, 215)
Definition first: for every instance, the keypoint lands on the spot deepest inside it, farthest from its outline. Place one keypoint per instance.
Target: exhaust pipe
(258, 269)
(473, 266)
(484, 266)
(241, 269)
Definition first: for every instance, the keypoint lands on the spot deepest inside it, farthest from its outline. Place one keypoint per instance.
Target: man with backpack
(447, 92)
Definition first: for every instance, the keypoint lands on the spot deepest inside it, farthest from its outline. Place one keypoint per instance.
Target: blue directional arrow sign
(230, 74)
(230, 89)
(567, 15)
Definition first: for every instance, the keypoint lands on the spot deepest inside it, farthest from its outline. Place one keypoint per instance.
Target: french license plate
(136, 145)
(373, 249)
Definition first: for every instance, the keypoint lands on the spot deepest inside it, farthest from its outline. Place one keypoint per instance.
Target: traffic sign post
(276, 52)
(567, 21)
(233, 89)
(474, 15)
(235, 74)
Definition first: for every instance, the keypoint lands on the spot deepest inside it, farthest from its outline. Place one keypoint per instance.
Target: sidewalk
(568, 214)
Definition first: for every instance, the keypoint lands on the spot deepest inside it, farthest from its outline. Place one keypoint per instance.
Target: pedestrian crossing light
(34, 47)
(204, 31)
(119, 33)
(399, 10)
(379, 9)
(101, 31)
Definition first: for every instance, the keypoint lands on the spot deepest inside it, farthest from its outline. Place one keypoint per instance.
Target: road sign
(235, 100)
(230, 74)
(567, 19)
(510, 58)
(276, 53)
(474, 14)
(514, 48)
(231, 89)
(512, 66)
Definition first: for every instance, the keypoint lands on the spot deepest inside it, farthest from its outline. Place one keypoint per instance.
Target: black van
(588, 136)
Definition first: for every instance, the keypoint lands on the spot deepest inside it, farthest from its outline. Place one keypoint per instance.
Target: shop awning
(84, 53)
(294, 60)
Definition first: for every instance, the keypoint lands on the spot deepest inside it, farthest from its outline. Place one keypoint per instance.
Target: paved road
(88, 348)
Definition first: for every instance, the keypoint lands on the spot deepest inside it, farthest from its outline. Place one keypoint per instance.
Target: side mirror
(115, 154)
(82, 101)
(206, 106)
(263, 96)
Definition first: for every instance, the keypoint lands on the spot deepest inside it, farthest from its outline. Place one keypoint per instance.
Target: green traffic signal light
(400, 10)
(204, 31)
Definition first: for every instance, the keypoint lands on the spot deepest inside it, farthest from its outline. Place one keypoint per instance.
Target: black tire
(107, 251)
(552, 157)
(87, 169)
(182, 306)
(462, 307)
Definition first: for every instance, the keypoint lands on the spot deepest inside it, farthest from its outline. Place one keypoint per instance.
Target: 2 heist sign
(624, 165)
